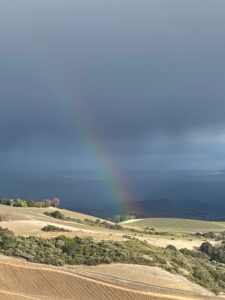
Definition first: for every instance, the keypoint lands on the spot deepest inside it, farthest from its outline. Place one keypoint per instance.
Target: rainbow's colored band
(116, 185)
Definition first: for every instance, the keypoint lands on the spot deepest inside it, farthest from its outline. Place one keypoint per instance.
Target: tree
(56, 214)
(11, 202)
(207, 248)
(47, 202)
(55, 202)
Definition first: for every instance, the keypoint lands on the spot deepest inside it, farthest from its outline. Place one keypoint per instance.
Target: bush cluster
(121, 218)
(212, 235)
(60, 216)
(216, 253)
(30, 203)
(54, 228)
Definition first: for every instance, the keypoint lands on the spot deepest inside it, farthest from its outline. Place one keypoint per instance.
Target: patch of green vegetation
(54, 228)
(217, 236)
(178, 225)
(121, 218)
(152, 231)
(55, 214)
(62, 250)
(58, 215)
(17, 202)
(215, 253)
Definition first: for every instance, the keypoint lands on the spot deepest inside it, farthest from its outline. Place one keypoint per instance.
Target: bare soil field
(145, 275)
(4, 295)
(23, 280)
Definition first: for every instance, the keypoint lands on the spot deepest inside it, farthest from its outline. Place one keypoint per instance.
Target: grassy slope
(34, 220)
(168, 224)
(30, 212)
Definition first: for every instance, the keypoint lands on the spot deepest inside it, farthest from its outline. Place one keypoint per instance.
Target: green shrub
(55, 214)
(171, 247)
(54, 228)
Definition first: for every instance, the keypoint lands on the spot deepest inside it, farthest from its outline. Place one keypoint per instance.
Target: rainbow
(117, 187)
(114, 179)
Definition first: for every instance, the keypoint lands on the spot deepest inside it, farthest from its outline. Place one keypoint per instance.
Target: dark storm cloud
(137, 73)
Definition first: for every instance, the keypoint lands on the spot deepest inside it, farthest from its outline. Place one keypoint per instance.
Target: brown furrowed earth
(23, 280)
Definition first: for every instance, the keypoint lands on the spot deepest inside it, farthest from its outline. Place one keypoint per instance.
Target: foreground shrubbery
(195, 265)
(61, 250)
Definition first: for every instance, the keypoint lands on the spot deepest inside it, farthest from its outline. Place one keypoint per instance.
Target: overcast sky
(140, 84)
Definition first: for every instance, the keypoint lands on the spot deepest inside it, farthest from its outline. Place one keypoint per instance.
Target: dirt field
(22, 280)
(145, 275)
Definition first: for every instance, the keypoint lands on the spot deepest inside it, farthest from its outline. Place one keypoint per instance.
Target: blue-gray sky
(143, 80)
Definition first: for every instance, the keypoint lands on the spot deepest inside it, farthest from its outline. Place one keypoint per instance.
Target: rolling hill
(23, 280)
(178, 225)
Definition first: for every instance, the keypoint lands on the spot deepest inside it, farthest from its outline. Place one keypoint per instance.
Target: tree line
(17, 202)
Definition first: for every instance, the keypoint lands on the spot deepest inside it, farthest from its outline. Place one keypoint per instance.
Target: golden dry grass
(31, 212)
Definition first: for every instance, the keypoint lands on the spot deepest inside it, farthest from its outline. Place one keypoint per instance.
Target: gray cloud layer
(141, 77)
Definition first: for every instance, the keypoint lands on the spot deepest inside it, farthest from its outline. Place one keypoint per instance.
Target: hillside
(178, 225)
(119, 281)
(20, 280)
(30, 221)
